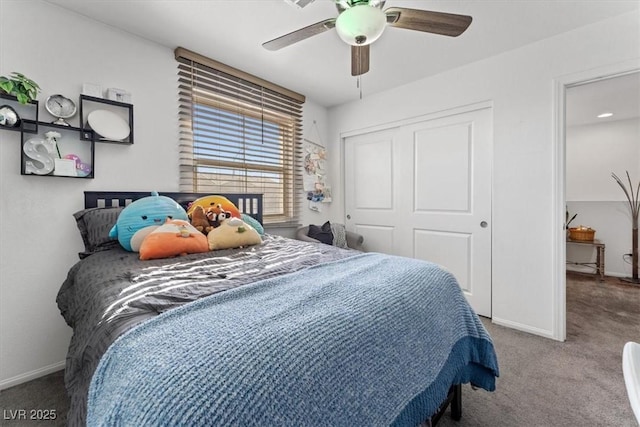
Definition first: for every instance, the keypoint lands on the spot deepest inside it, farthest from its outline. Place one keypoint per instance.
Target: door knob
(484, 224)
(348, 216)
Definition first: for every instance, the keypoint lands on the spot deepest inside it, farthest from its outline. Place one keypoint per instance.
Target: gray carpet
(42, 394)
(575, 383)
(542, 383)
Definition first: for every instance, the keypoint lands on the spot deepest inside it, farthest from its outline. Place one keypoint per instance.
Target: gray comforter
(110, 292)
(371, 340)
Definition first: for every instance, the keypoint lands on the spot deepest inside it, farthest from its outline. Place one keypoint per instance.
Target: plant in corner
(20, 86)
(634, 206)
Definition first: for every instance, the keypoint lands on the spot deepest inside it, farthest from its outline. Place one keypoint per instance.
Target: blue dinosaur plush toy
(143, 216)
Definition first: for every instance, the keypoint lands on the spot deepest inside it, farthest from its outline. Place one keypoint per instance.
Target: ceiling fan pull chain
(359, 85)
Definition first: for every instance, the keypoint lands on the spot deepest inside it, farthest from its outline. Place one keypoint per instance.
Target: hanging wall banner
(314, 175)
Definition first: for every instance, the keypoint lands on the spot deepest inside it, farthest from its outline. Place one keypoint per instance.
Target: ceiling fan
(361, 22)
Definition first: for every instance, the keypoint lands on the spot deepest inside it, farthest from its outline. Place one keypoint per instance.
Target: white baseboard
(620, 275)
(606, 273)
(31, 375)
(589, 270)
(524, 328)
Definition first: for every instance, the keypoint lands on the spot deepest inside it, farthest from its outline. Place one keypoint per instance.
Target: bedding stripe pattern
(351, 342)
(111, 291)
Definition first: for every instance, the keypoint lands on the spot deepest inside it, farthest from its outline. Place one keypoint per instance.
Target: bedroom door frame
(558, 252)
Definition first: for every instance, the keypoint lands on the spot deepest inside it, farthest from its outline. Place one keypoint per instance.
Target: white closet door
(423, 190)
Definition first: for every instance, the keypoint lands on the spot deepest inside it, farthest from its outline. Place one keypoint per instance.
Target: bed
(280, 333)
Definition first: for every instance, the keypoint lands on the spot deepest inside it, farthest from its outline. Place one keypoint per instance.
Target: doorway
(563, 115)
(601, 135)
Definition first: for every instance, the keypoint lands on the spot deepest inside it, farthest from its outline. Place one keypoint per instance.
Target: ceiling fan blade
(446, 24)
(359, 60)
(301, 34)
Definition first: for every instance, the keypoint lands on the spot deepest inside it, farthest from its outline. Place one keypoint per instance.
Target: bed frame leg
(456, 402)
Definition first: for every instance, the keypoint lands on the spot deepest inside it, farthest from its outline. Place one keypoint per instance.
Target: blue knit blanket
(371, 340)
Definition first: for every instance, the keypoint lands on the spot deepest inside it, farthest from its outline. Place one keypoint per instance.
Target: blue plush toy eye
(146, 212)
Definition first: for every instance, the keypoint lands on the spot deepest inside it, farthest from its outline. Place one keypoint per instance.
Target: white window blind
(239, 134)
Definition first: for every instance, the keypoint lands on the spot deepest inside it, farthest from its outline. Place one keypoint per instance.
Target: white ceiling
(618, 95)
(232, 32)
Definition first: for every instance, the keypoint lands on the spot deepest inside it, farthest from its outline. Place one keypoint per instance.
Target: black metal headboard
(250, 204)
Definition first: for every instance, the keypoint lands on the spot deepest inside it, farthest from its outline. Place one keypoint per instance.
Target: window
(239, 134)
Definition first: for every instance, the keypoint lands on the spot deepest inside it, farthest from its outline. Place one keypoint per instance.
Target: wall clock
(61, 107)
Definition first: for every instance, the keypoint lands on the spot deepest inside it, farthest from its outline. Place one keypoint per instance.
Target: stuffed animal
(213, 201)
(175, 237)
(216, 214)
(200, 221)
(143, 216)
(233, 233)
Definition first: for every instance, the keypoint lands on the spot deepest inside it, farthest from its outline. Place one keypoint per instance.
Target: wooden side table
(599, 264)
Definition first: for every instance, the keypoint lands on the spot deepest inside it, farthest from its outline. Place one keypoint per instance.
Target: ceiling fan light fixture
(361, 24)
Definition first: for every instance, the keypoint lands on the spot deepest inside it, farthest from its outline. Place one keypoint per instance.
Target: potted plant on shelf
(23, 88)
